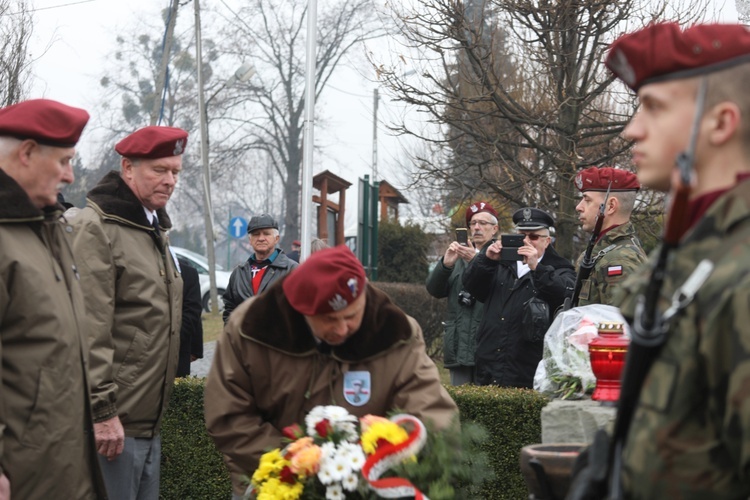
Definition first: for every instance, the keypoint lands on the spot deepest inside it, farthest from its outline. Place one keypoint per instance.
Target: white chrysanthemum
(334, 492)
(350, 482)
(324, 475)
(328, 451)
(339, 467)
(353, 454)
(349, 430)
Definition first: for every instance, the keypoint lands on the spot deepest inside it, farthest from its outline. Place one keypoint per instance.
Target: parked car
(201, 265)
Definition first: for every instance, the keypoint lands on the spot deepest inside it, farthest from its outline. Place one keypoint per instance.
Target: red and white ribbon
(389, 455)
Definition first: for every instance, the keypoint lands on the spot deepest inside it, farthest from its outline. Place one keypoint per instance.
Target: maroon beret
(599, 179)
(48, 122)
(329, 280)
(662, 52)
(479, 206)
(153, 142)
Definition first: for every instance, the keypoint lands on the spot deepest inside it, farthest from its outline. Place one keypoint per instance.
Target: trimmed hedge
(512, 418)
(429, 312)
(193, 469)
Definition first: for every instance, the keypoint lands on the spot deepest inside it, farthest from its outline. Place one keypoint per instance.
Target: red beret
(664, 52)
(329, 280)
(48, 122)
(479, 206)
(599, 179)
(153, 142)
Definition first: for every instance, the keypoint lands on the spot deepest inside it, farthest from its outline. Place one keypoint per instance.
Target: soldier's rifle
(587, 263)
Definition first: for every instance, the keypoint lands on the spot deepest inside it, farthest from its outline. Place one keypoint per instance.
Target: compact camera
(466, 299)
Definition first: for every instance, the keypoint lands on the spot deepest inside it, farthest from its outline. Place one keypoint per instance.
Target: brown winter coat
(267, 373)
(134, 304)
(46, 431)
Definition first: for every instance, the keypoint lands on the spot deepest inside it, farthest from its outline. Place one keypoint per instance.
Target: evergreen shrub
(429, 312)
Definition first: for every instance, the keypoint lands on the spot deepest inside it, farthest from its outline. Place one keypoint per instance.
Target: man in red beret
(320, 336)
(46, 449)
(617, 252)
(134, 304)
(689, 435)
(464, 313)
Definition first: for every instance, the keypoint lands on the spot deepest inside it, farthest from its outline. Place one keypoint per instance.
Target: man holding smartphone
(520, 291)
(464, 312)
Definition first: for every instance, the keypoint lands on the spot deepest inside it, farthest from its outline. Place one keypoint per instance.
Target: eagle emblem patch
(357, 388)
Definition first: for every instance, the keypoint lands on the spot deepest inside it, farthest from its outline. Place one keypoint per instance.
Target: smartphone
(511, 244)
(462, 236)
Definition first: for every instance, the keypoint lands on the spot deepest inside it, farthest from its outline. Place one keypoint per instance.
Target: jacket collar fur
(17, 206)
(114, 197)
(271, 321)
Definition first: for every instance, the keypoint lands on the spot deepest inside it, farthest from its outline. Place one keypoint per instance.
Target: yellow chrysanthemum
(383, 430)
(274, 489)
(271, 463)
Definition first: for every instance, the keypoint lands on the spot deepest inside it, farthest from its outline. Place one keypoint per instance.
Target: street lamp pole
(242, 74)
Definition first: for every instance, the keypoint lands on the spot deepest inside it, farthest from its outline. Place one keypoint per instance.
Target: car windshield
(198, 258)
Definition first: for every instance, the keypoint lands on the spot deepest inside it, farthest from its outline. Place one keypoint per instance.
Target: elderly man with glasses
(464, 313)
(519, 296)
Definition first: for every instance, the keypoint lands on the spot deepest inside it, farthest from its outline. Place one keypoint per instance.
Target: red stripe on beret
(328, 281)
(153, 142)
(47, 122)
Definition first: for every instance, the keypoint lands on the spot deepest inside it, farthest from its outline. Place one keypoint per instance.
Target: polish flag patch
(614, 271)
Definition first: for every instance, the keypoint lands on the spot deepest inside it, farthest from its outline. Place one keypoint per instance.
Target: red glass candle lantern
(607, 354)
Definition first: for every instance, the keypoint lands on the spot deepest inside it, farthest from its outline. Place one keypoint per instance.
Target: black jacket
(504, 356)
(240, 285)
(191, 332)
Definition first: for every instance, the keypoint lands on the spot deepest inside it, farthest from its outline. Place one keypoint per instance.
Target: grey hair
(8, 145)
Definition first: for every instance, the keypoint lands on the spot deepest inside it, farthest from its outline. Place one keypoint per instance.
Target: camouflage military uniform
(690, 435)
(617, 255)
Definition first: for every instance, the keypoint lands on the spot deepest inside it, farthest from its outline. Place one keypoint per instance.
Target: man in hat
(296, 247)
(519, 299)
(134, 306)
(617, 253)
(46, 445)
(267, 264)
(464, 312)
(690, 434)
(319, 336)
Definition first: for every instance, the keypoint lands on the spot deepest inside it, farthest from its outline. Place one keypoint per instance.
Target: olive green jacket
(462, 321)
(617, 256)
(690, 434)
(46, 430)
(134, 306)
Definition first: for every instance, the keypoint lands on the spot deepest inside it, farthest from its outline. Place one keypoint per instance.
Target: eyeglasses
(482, 223)
(534, 237)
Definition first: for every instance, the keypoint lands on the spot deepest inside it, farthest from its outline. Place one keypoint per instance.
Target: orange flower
(306, 461)
(296, 446)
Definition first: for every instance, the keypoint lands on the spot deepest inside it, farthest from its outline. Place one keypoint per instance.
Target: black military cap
(262, 221)
(531, 219)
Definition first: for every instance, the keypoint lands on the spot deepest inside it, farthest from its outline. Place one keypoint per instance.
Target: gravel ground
(200, 367)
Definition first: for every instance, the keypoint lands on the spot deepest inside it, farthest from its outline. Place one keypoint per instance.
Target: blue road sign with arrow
(237, 227)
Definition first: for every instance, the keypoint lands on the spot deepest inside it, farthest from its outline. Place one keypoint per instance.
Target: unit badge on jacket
(357, 388)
